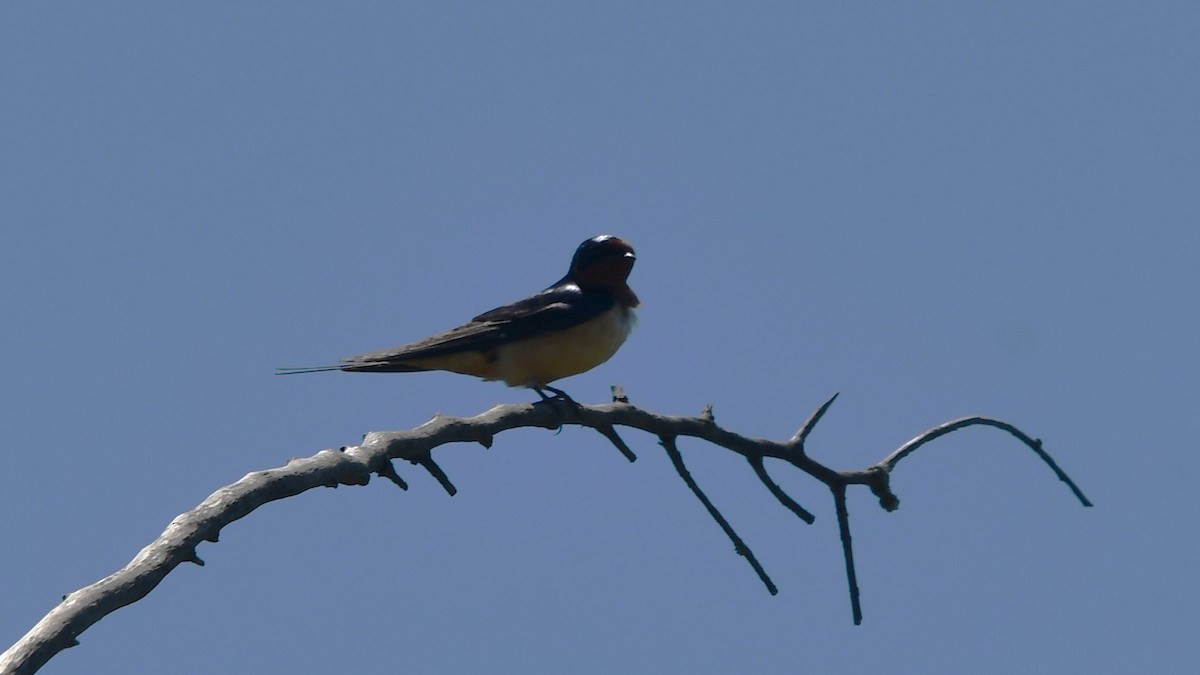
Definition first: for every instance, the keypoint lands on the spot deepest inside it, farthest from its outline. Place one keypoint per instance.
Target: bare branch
(784, 498)
(739, 546)
(177, 544)
(611, 434)
(434, 470)
(388, 471)
(355, 465)
(1034, 444)
(843, 518)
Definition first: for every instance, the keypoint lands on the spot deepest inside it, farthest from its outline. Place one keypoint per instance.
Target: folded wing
(470, 348)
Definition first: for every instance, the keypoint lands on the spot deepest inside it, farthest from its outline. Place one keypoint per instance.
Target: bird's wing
(557, 308)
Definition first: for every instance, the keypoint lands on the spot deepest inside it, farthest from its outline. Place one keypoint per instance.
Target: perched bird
(571, 327)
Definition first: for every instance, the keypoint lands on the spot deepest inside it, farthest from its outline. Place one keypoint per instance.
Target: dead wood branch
(355, 465)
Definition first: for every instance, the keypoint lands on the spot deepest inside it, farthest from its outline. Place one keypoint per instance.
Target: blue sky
(937, 209)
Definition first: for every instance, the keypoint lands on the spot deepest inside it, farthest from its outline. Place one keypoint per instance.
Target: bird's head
(604, 263)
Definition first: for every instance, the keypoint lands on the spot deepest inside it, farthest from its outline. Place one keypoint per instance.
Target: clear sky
(937, 209)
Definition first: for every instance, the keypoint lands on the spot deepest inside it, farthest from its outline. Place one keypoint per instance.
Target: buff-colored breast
(543, 359)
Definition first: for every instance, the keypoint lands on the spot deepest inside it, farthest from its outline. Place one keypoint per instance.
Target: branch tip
(756, 461)
(388, 471)
(434, 470)
(611, 434)
(802, 434)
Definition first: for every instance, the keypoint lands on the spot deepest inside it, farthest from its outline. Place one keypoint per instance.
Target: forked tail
(297, 371)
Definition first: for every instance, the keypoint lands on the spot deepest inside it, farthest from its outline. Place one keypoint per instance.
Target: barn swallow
(571, 327)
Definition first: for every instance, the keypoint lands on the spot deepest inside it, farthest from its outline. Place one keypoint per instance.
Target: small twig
(784, 498)
(611, 434)
(434, 470)
(388, 471)
(843, 518)
(668, 443)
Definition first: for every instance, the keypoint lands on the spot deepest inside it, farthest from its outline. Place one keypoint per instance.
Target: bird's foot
(559, 394)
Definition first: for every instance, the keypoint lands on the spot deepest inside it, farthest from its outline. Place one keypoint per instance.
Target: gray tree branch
(355, 465)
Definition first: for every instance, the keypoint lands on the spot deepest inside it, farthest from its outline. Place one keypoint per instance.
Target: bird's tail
(297, 371)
